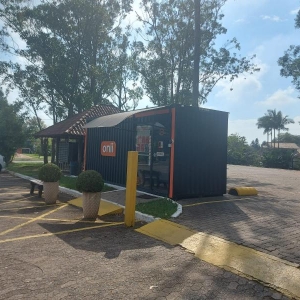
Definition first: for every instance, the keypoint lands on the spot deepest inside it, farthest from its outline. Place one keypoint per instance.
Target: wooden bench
(39, 184)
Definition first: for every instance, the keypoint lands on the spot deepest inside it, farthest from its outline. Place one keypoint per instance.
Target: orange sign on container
(108, 148)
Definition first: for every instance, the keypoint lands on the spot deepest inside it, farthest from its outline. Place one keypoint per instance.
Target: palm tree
(265, 123)
(272, 121)
(282, 121)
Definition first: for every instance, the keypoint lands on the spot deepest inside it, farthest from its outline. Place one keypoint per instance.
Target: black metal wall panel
(113, 169)
(200, 164)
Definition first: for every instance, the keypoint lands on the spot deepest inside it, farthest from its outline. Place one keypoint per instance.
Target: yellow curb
(281, 275)
(243, 191)
(166, 231)
(106, 208)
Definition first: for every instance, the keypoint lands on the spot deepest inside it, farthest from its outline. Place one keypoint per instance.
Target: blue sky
(265, 28)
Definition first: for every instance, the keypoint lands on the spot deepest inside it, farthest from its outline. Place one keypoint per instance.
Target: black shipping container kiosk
(182, 150)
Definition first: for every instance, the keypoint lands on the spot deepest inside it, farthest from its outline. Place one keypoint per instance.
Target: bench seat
(39, 184)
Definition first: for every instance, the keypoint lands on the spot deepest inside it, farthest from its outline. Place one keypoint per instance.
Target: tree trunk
(53, 151)
(196, 54)
(45, 149)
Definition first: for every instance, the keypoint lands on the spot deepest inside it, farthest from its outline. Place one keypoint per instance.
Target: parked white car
(2, 163)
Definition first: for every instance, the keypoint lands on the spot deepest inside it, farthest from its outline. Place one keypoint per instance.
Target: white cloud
(246, 128)
(242, 87)
(240, 21)
(280, 98)
(272, 18)
(295, 11)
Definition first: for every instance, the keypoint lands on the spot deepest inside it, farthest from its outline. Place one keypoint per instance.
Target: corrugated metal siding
(200, 166)
(113, 169)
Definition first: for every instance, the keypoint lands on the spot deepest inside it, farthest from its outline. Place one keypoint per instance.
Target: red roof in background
(73, 126)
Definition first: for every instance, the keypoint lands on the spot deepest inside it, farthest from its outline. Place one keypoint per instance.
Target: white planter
(90, 204)
(51, 190)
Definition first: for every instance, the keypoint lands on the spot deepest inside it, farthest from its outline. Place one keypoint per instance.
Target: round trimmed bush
(90, 182)
(49, 173)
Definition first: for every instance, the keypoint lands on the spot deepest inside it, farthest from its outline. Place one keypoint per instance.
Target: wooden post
(132, 166)
(57, 150)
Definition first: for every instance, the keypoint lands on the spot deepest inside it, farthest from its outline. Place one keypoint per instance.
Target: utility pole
(196, 54)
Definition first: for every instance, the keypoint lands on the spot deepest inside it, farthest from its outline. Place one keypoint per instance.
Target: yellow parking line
(19, 200)
(28, 207)
(220, 201)
(16, 193)
(58, 233)
(16, 217)
(61, 220)
(78, 221)
(32, 220)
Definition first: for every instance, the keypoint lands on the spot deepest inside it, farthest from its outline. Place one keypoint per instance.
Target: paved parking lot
(49, 252)
(268, 222)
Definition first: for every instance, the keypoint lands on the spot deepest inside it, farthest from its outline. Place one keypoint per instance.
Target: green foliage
(277, 158)
(11, 133)
(273, 120)
(28, 169)
(49, 173)
(90, 181)
(165, 59)
(32, 169)
(240, 153)
(71, 48)
(255, 144)
(290, 61)
(161, 208)
(289, 138)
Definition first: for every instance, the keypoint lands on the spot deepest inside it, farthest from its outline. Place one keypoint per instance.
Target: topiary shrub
(49, 173)
(90, 182)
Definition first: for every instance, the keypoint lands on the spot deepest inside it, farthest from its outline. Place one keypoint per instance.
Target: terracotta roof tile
(73, 126)
(283, 145)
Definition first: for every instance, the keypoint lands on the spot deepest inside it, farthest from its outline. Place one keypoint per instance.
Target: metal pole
(132, 167)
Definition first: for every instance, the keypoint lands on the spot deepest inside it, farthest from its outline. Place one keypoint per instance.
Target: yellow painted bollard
(132, 165)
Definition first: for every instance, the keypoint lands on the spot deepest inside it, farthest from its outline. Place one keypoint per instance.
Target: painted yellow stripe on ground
(277, 273)
(15, 193)
(220, 201)
(58, 233)
(106, 208)
(29, 207)
(61, 220)
(7, 201)
(32, 220)
(23, 200)
(78, 221)
(16, 217)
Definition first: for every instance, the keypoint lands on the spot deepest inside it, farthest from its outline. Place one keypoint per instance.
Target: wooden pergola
(68, 135)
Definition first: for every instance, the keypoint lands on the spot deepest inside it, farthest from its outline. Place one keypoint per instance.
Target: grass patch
(32, 169)
(30, 157)
(161, 208)
(29, 169)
